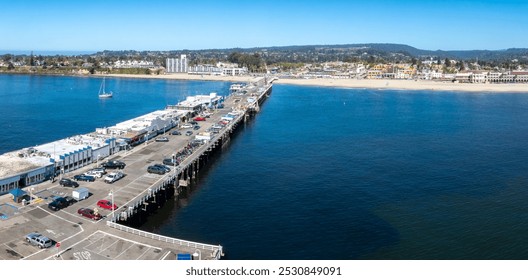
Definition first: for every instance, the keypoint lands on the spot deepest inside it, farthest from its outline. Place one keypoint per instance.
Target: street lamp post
(174, 163)
(197, 254)
(113, 208)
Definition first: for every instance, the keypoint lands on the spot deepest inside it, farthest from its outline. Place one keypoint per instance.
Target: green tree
(447, 62)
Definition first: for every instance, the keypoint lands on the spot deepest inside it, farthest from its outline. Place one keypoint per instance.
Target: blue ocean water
(41, 109)
(323, 173)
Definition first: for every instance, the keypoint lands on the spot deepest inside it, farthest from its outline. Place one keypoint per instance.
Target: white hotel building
(177, 65)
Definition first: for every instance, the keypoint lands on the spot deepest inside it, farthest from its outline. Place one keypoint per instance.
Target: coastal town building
(197, 103)
(177, 65)
(133, 64)
(220, 69)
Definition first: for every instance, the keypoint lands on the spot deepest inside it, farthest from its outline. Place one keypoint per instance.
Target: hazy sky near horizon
(174, 25)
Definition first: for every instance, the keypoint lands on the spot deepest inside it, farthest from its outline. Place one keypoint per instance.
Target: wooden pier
(138, 195)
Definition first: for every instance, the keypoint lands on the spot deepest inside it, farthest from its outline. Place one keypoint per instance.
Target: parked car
(113, 164)
(164, 167)
(89, 213)
(196, 127)
(94, 174)
(65, 182)
(70, 200)
(176, 132)
(193, 122)
(99, 170)
(156, 170)
(106, 204)
(187, 125)
(170, 162)
(216, 126)
(199, 119)
(84, 177)
(39, 240)
(58, 203)
(162, 139)
(188, 133)
(114, 176)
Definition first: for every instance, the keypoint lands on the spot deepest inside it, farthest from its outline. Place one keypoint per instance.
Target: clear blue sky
(95, 25)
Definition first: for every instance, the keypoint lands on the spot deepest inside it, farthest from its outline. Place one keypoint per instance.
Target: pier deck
(78, 238)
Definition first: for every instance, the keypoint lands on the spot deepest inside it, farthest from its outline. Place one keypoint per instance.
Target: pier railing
(215, 249)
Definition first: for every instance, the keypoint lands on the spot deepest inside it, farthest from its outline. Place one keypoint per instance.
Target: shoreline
(407, 85)
(350, 83)
(380, 84)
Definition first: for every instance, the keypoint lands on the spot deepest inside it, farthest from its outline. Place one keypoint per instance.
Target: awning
(17, 192)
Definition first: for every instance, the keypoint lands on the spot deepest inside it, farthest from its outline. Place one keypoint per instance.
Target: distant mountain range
(512, 53)
(314, 53)
(341, 52)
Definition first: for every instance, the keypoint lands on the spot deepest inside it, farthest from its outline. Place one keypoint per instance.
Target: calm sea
(323, 173)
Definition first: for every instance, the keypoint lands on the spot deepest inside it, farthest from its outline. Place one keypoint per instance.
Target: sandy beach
(351, 83)
(407, 85)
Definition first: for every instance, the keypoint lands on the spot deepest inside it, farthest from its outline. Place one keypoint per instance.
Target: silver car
(39, 240)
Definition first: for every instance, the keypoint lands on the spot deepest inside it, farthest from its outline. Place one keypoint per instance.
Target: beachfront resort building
(220, 69)
(177, 65)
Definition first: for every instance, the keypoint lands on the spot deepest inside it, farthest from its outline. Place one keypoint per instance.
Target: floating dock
(138, 195)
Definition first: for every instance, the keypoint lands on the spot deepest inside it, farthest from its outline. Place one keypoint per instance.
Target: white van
(80, 194)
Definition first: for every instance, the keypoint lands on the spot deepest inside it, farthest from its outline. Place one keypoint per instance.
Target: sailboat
(102, 91)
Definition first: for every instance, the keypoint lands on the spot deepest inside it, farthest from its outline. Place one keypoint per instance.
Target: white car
(94, 174)
(187, 125)
(114, 176)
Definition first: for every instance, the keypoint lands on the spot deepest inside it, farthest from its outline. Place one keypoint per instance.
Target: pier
(138, 195)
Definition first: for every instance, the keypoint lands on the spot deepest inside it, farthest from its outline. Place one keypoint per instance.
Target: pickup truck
(58, 203)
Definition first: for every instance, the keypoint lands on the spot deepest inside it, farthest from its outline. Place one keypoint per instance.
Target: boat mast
(102, 87)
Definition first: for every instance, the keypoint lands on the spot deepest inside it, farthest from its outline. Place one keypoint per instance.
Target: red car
(199, 119)
(89, 213)
(106, 204)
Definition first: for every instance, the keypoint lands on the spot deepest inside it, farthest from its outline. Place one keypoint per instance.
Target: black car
(167, 169)
(196, 127)
(83, 177)
(176, 132)
(112, 164)
(156, 170)
(70, 200)
(58, 203)
(68, 183)
(170, 162)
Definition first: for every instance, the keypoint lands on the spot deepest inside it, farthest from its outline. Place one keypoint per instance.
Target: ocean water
(41, 109)
(323, 173)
